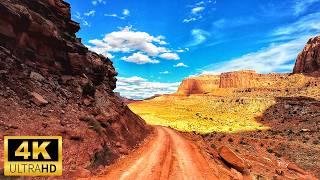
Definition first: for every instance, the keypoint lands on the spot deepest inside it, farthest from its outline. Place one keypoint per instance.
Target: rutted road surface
(167, 155)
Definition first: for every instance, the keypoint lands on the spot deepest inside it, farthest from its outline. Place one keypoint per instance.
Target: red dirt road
(167, 155)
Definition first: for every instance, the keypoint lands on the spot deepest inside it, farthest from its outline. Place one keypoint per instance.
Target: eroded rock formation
(244, 81)
(199, 85)
(51, 84)
(308, 60)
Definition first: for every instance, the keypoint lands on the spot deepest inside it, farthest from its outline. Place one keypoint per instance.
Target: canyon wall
(230, 81)
(199, 85)
(51, 84)
(308, 60)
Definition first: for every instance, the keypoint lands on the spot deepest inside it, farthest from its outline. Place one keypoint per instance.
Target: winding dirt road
(167, 155)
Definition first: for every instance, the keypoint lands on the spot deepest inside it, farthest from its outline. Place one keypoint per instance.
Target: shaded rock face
(50, 84)
(199, 85)
(308, 60)
(41, 34)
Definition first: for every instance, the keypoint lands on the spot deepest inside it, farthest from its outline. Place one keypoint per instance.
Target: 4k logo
(33, 155)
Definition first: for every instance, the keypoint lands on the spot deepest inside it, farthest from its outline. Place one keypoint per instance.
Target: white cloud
(301, 6)
(276, 57)
(86, 23)
(100, 51)
(279, 56)
(189, 20)
(180, 65)
(83, 21)
(139, 58)
(140, 88)
(126, 12)
(78, 16)
(96, 2)
(307, 24)
(199, 36)
(165, 72)
(196, 10)
(127, 40)
(90, 13)
(233, 22)
(170, 56)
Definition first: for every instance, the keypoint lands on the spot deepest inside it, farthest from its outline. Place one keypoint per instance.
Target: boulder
(296, 168)
(38, 99)
(232, 158)
(36, 76)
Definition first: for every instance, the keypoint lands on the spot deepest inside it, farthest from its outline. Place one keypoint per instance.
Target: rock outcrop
(243, 81)
(51, 84)
(308, 60)
(199, 85)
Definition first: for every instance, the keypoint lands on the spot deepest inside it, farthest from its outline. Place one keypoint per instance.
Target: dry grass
(203, 114)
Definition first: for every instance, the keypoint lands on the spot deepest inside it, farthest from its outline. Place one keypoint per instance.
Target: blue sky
(156, 44)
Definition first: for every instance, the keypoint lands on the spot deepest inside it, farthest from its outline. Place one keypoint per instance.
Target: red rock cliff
(218, 84)
(239, 79)
(308, 60)
(199, 85)
(50, 84)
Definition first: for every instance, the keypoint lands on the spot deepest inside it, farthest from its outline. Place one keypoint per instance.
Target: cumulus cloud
(127, 40)
(140, 88)
(170, 56)
(141, 44)
(139, 58)
(199, 36)
(180, 65)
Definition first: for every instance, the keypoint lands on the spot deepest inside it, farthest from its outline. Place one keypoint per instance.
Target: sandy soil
(166, 155)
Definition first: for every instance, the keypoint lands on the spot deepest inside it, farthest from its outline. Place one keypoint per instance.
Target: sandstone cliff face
(242, 81)
(308, 60)
(199, 85)
(50, 84)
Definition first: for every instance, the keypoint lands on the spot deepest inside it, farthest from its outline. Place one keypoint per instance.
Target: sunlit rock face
(308, 60)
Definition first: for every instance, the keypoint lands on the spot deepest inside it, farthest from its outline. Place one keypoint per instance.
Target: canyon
(271, 121)
(236, 125)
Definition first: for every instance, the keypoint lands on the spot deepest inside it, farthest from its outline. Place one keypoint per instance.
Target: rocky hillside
(50, 84)
(308, 60)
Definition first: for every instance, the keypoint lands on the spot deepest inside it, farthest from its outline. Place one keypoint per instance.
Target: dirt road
(167, 155)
